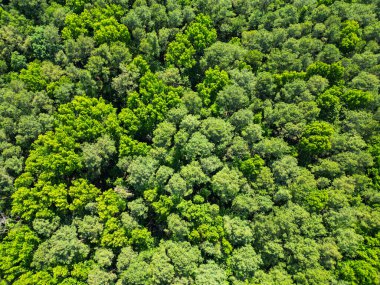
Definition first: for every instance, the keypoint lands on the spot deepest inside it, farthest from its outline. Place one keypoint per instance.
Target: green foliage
(244, 262)
(181, 53)
(201, 33)
(330, 104)
(231, 99)
(214, 81)
(34, 77)
(359, 272)
(150, 105)
(211, 274)
(63, 248)
(350, 36)
(109, 30)
(358, 99)
(45, 42)
(226, 184)
(16, 252)
(109, 204)
(316, 138)
(333, 72)
(251, 167)
(189, 142)
(98, 276)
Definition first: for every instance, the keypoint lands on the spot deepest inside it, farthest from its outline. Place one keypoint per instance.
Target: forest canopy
(204, 142)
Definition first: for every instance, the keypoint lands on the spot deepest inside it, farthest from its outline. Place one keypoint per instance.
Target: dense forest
(189, 142)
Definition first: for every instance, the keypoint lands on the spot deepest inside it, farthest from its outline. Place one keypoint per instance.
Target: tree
(177, 186)
(357, 99)
(349, 34)
(366, 81)
(316, 138)
(276, 276)
(303, 253)
(265, 86)
(201, 33)
(17, 251)
(137, 273)
(185, 258)
(225, 55)
(34, 76)
(140, 172)
(271, 148)
(226, 184)
(152, 103)
(97, 156)
(244, 262)
(104, 257)
(109, 30)
(181, 53)
(89, 228)
(230, 99)
(125, 257)
(162, 136)
(333, 72)
(214, 81)
(138, 209)
(330, 254)
(242, 120)
(79, 50)
(193, 174)
(161, 269)
(98, 276)
(238, 231)
(178, 228)
(45, 42)
(63, 248)
(82, 193)
(359, 121)
(286, 170)
(358, 271)
(109, 204)
(251, 167)
(330, 104)
(41, 277)
(150, 46)
(295, 92)
(329, 54)
(348, 242)
(211, 164)
(55, 157)
(211, 274)
(217, 131)
(198, 146)
(27, 8)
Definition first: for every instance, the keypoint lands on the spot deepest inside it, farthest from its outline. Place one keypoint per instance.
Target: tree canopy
(205, 142)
